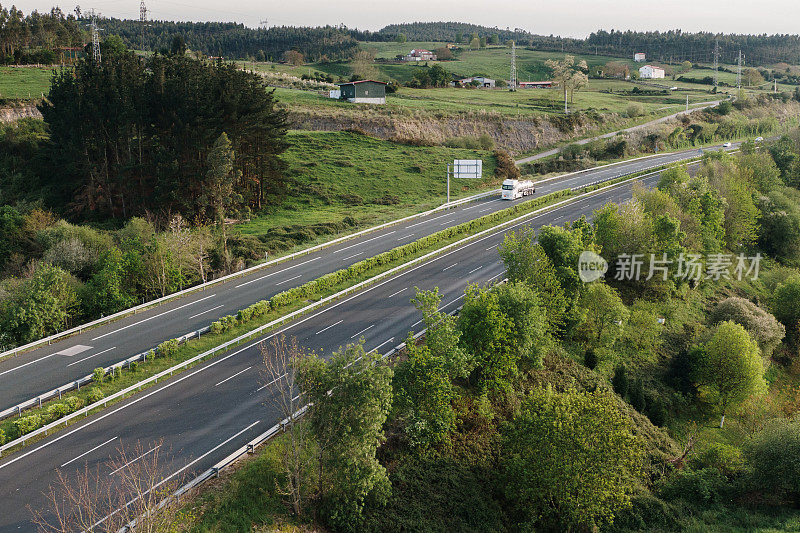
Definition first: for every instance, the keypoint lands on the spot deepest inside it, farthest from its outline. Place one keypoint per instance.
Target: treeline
(236, 41)
(445, 31)
(676, 46)
(37, 37)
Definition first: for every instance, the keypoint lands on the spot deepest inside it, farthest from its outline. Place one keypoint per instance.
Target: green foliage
(503, 328)
(442, 336)
(620, 380)
(705, 486)
(38, 306)
(730, 368)
(99, 375)
(603, 315)
(105, 293)
(774, 457)
(570, 460)
(25, 425)
(423, 395)
(167, 348)
(95, 395)
(786, 303)
(350, 396)
(435, 76)
(762, 326)
(563, 247)
(526, 261)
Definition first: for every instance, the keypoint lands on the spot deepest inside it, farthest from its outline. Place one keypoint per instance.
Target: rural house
(649, 72)
(478, 81)
(420, 54)
(639, 57)
(363, 92)
(535, 84)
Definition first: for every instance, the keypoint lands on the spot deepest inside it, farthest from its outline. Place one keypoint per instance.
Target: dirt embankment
(515, 134)
(13, 113)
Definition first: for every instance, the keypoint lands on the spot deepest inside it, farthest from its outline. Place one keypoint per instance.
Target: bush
(95, 395)
(774, 455)
(134, 366)
(590, 359)
(763, 327)
(56, 411)
(99, 375)
(167, 348)
(217, 327)
(634, 110)
(25, 425)
(74, 403)
(506, 167)
(704, 485)
(2, 437)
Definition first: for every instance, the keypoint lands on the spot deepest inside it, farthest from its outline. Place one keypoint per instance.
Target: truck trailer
(513, 189)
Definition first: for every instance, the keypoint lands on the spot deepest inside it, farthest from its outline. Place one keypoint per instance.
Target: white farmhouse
(639, 57)
(649, 72)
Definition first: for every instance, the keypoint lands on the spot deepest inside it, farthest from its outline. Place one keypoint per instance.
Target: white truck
(513, 189)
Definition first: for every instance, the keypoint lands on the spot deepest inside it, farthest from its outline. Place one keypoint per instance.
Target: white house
(649, 72)
(420, 54)
(639, 57)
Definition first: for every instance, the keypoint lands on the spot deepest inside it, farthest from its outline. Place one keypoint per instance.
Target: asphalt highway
(29, 374)
(204, 414)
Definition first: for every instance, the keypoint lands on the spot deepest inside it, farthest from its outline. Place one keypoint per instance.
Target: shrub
(217, 327)
(74, 403)
(95, 395)
(2, 437)
(634, 110)
(134, 366)
(167, 348)
(704, 485)
(763, 327)
(506, 167)
(99, 374)
(25, 425)
(774, 455)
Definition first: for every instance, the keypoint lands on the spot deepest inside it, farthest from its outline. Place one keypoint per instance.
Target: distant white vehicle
(759, 139)
(673, 88)
(513, 189)
(727, 145)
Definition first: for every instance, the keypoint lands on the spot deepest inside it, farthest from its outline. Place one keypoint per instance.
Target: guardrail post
(251, 449)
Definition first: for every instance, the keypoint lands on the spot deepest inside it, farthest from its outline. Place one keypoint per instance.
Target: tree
(105, 293)
(400, 38)
(729, 367)
(282, 360)
(501, 327)
(293, 57)
(603, 315)
(761, 325)
(79, 502)
(363, 64)
(178, 46)
(571, 76)
(786, 303)
(527, 262)
(423, 395)
(38, 306)
(443, 54)
(563, 247)
(442, 336)
(350, 397)
(752, 77)
(570, 460)
(219, 186)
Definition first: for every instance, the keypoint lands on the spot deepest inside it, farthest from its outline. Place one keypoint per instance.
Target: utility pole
(739, 73)
(513, 80)
(716, 62)
(143, 22)
(687, 102)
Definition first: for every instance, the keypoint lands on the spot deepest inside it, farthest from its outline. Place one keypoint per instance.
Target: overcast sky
(559, 17)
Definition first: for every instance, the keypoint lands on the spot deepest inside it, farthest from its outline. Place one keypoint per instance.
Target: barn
(363, 92)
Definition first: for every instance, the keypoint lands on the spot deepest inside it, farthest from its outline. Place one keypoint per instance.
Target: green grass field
(24, 82)
(336, 174)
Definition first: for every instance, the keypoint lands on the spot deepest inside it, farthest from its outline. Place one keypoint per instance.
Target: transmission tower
(513, 81)
(739, 73)
(716, 62)
(95, 37)
(142, 21)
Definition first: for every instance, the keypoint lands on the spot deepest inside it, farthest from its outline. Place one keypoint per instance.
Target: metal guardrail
(203, 286)
(275, 323)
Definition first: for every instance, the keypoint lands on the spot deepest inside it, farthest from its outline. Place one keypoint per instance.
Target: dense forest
(236, 41)
(37, 37)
